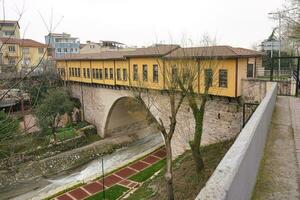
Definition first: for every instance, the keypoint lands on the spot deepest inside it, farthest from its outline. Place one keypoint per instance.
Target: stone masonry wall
(222, 119)
(254, 90)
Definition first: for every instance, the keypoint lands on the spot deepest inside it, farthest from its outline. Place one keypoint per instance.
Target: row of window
(65, 50)
(208, 76)
(25, 50)
(108, 74)
(97, 73)
(222, 77)
(145, 73)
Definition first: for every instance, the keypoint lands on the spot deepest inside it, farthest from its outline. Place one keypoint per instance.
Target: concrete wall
(110, 111)
(235, 176)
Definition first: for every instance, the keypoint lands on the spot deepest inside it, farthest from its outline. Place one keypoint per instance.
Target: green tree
(56, 103)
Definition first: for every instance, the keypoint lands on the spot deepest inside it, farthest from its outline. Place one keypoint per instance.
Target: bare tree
(195, 69)
(165, 122)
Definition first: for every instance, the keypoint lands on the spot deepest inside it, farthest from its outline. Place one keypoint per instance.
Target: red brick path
(119, 177)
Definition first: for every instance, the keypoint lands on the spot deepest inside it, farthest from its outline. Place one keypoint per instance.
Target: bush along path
(121, 181)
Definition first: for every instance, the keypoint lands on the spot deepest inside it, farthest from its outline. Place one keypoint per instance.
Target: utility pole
(278, 15)
(279, 53)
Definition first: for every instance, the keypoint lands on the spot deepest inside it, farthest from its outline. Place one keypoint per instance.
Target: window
(88, 73)
(155, 73)
(124, 74)
(222, 78)
(11, 48)
(65, 50)
(97, 73)
(111, 73)
(9, 33)
(59, 50)
(11, 61)
(174, 73)
(100, 74)
(73, 72)
(70, 74)
(93, 73)
(106, 73)
(208, 77)
(25, 50)
(62, 72)
(118, 74)
(71, 50)
(145, 73)
(135, 72)
(41, 50)
(250, 71)
(84, 72)
(78, 69)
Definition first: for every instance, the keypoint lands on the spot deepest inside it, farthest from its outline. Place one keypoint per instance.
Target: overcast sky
(140, 22)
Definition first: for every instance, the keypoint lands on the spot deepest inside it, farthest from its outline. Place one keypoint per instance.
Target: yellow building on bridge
(153, 67)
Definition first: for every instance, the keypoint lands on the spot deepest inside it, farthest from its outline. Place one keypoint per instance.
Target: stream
(38, 189)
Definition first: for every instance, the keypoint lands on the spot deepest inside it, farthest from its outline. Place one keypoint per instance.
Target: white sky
(140, 22)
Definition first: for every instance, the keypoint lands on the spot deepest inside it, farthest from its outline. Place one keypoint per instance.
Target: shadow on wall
(127, 116)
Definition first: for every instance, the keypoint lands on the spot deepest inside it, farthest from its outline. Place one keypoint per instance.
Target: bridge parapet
(235, 176)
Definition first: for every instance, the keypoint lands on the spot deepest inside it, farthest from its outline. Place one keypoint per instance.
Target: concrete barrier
(235, 176)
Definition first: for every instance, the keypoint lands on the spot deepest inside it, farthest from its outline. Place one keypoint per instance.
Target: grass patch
(65, 133)
(110, 194)
(186, 182)
(148, 172)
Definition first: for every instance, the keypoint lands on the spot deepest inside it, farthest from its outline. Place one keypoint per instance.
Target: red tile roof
(9, 22)
(213, 51)
(168, 51)
(157, 50)
(22, 42)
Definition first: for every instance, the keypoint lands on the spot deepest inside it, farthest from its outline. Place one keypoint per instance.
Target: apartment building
(9, 29)
(20, 54)
(62, 44)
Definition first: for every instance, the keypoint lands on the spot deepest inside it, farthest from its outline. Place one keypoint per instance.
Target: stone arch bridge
(113, 111)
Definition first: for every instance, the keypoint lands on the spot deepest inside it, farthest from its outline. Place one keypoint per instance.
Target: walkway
(279, 171)
(119, 177)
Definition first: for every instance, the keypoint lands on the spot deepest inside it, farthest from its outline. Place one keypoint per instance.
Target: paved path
(119, 177)
(279, 171)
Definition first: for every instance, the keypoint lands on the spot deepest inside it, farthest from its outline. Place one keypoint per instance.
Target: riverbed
(44, 187)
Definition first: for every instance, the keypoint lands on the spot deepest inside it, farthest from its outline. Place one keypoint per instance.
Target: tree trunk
(195, 144)
(199, 163)
(54, 137)
(168, 175)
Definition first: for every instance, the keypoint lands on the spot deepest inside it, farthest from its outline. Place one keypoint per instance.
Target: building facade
(9, 29)
(61, 44)
(21, 54)
(154, 67)
(97, 47)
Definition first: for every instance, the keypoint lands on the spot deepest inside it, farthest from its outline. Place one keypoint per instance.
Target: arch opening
(127, 116)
